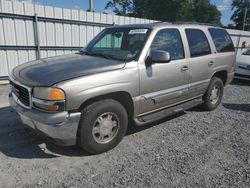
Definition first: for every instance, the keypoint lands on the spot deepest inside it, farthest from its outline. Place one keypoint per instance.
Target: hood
(49, 71)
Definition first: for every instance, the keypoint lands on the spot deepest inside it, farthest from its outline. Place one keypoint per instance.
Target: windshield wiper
(106, 56)
(83, 52)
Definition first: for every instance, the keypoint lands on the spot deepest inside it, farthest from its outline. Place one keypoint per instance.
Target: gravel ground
(192, 149)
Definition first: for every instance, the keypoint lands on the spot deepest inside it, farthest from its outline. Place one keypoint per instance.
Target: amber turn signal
(53, 108)
(56, 94)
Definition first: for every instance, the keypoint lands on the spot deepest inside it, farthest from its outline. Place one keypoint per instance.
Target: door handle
(184, 68)
(210, 63)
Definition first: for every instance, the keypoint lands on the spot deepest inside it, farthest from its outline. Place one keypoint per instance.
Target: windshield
(247, 52)
(124, 44)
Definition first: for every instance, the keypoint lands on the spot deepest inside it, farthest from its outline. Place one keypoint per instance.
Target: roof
(163, 24)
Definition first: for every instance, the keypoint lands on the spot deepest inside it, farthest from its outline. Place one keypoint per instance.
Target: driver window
(169, 40)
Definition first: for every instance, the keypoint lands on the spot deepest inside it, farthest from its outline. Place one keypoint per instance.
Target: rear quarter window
(222, 40)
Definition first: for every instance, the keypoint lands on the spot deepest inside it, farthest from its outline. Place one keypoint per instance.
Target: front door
(164, 84)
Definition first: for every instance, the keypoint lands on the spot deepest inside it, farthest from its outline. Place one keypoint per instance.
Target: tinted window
(169, 40)
(222, 40)
(198, 43)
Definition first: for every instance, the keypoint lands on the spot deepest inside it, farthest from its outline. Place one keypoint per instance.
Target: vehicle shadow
(237, 107)
(18, 142)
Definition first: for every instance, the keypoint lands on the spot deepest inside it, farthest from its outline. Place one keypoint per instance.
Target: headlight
(49, 93)
(49, 99)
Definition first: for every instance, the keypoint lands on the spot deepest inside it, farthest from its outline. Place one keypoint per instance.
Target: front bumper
(60, 128)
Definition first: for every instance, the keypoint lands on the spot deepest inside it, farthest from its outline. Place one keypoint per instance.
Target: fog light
(52, 108)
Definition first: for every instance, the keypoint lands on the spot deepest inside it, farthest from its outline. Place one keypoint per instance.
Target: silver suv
(127, 74)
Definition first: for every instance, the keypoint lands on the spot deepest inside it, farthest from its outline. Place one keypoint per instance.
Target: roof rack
(196, 23)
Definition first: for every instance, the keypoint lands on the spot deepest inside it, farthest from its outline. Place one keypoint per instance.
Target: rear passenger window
(222, 40)
(169, 40)
(198, 43)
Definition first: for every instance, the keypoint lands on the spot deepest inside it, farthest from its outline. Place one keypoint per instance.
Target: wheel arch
(222, 75)
(123, 97)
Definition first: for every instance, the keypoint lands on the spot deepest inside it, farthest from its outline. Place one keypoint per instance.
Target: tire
(102, 126)
(212, 97)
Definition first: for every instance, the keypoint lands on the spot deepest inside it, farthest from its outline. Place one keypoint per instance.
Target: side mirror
(159, 56)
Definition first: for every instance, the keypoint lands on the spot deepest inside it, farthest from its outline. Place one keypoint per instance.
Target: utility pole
(90, 5)
(246, 3)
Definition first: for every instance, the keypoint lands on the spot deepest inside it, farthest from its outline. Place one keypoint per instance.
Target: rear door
(225, 53)
(201, 60)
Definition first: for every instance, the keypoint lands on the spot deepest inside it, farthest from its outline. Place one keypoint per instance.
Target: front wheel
(103, 125)
(212, 97)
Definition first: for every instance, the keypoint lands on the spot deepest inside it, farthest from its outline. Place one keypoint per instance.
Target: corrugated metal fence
(238, 38)
(31, 31)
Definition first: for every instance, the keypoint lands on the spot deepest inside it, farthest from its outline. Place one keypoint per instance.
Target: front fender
(82, 89)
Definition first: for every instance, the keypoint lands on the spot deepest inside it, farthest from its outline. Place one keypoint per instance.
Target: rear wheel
(103, 125)
(212, 98)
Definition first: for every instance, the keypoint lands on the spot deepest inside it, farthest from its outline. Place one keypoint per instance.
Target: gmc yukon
(131, 73)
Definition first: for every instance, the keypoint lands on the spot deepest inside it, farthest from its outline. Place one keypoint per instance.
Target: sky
(99, 6)
(224, 6)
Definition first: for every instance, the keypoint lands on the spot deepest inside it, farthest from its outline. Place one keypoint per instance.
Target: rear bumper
(61, 127)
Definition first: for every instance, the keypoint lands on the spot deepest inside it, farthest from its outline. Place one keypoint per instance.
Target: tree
(239, 7)
(206, 12)
(170, 10)
(120, 7)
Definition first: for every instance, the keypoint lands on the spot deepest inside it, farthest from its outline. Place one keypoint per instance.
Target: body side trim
(175, 89)
(162, 108)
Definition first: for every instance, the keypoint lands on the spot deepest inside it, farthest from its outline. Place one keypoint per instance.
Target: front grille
(21, 93)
